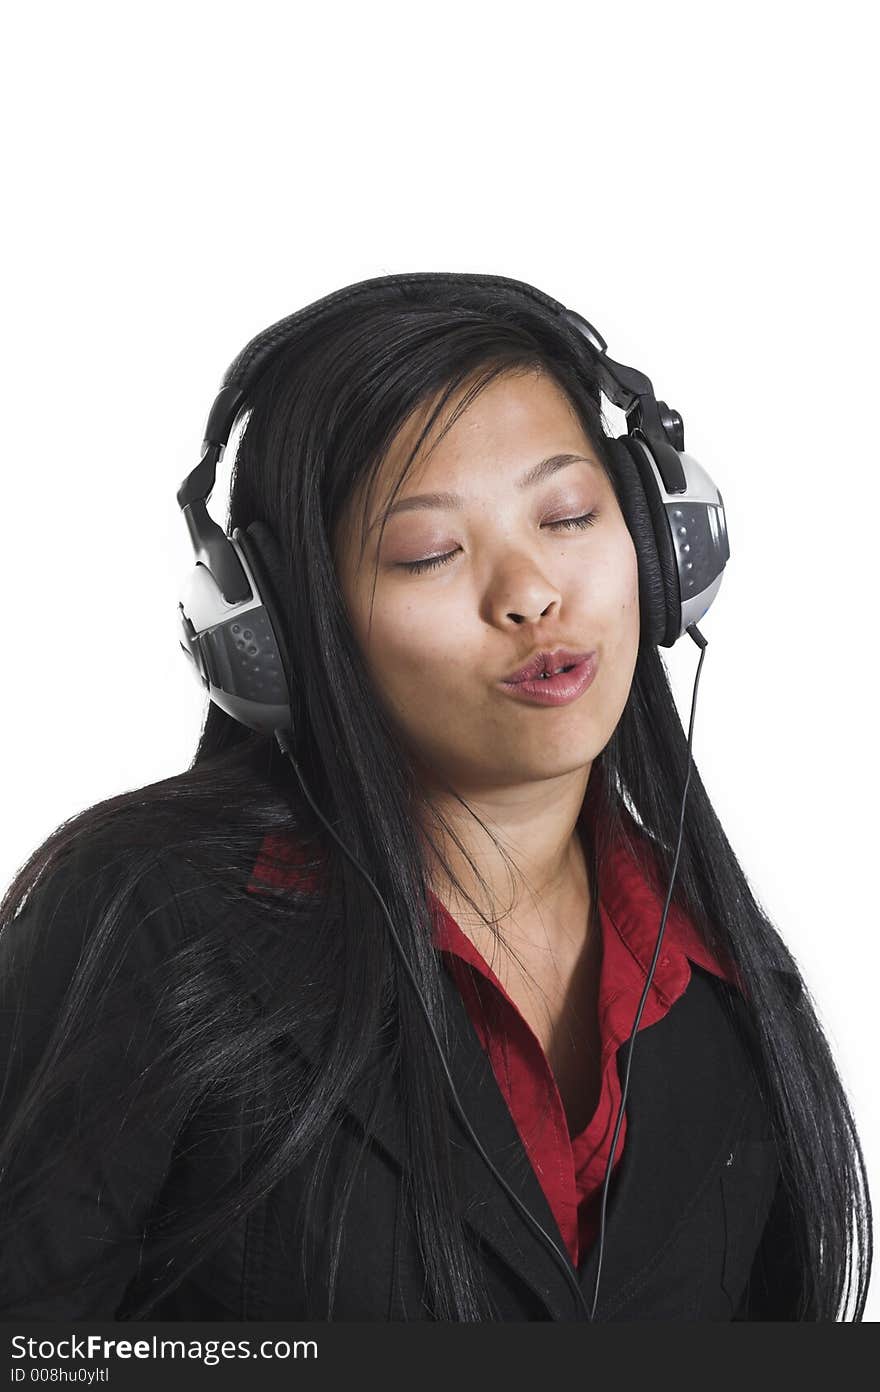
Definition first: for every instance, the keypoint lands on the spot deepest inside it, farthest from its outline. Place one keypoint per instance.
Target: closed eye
(586, 521)
(433, 562)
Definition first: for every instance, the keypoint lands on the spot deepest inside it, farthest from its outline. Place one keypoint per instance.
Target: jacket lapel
(690, 1092)
(485, 1205)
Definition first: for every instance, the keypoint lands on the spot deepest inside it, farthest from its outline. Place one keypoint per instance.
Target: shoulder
(104, 896)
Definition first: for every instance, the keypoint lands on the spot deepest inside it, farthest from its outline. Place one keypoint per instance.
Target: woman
(223, 1098)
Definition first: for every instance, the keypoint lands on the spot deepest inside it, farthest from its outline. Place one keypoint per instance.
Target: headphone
(235, 643)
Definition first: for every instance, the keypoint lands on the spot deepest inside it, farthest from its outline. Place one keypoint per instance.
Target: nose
(530, 615)
(520, 592)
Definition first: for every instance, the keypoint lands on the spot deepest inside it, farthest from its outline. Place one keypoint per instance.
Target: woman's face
(439, 641)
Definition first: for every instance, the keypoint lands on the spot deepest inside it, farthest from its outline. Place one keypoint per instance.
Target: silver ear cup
(233, 647)
(696, 527)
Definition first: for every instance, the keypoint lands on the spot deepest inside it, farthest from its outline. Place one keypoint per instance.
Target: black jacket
(697, 1223)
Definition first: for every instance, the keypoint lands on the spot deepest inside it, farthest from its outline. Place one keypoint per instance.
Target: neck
(535, 880)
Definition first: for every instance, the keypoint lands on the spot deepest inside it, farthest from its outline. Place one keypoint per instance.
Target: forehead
(513, 421)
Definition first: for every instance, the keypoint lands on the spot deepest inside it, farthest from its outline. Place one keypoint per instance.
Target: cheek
(407, 648)
(631, 594)
(614, 580)
(625, 567)
(629, 618)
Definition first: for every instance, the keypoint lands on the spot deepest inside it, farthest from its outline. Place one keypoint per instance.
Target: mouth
(547, 664)
(557, 687)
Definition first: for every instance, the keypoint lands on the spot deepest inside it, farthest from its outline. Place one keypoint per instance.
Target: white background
(697, 181)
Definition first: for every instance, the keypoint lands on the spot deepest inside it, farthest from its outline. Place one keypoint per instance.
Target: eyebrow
(536, 473)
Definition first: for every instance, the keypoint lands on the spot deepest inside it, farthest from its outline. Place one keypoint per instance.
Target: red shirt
(626, 913)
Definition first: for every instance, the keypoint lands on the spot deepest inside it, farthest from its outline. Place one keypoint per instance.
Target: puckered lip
(545, 661)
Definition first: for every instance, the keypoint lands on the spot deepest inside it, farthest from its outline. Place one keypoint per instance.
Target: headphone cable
(702, 643)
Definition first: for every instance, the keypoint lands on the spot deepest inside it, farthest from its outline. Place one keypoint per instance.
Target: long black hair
(320, 422)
